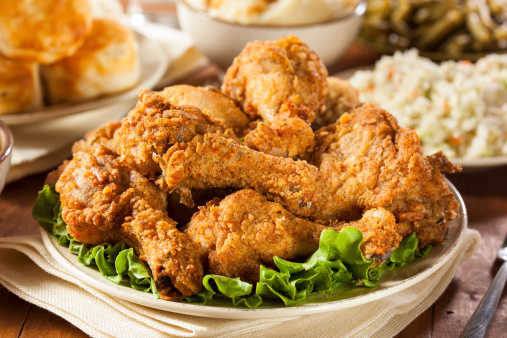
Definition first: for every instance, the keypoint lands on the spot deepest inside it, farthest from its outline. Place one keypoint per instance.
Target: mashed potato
(457, 107)
(277, 12)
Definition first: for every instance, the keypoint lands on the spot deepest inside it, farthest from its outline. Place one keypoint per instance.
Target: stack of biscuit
(53, 51)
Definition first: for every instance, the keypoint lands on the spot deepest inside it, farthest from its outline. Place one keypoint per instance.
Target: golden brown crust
(244, 230)
(153, 126)
(379, 164)
(105, 135)
(105, 202)
(267, 75)
(43, 31)
(212, 102)
(341, 98)
(20, 88)
(279, 81)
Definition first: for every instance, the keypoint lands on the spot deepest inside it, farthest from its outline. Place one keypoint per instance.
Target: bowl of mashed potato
(221, 28)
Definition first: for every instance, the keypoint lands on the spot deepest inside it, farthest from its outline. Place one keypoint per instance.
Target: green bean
(457, 43)
(439, 30)
(432, 12)
(399, 18)
(448, 25)
(500, 33)
(477, 28)
(379, 8)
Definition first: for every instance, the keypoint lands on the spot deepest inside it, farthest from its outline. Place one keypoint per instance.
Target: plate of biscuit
(84, 65)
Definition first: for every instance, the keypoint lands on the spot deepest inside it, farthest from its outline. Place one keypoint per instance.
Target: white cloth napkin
(101, 315)
(42, 146)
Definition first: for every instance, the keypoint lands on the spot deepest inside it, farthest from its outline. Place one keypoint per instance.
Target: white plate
(467, 164)
(390, 283)
(153, 67)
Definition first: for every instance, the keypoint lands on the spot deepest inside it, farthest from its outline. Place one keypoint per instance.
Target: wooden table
(484, 192)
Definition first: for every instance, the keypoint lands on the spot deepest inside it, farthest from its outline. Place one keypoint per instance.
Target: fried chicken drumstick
(245, 230)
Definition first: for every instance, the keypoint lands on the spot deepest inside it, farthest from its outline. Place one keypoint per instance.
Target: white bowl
(221, 41)
(6, 143)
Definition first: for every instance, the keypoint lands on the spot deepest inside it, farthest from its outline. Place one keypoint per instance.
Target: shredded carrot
(414, 94)
(465, 62)
(446, 106)
(456, 140)
(390, 74)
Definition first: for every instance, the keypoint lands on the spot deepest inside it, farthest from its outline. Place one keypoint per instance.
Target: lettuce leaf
(113, 261)
(337, 262)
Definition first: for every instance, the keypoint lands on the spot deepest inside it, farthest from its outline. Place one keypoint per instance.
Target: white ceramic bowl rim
(6, 141)
(358, 11)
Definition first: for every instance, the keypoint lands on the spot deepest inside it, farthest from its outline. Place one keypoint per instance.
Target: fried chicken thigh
(105, 202)
(371, 160)
(245, 230)
(284, 83)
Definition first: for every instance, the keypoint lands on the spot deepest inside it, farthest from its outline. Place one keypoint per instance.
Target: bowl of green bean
(440, 29)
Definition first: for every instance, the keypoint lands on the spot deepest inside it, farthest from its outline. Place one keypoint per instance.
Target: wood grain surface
(484, 192)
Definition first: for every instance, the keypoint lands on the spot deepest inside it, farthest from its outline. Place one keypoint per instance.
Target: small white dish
(6, 144)
(391, 282)
(153, 67)
(221, 41)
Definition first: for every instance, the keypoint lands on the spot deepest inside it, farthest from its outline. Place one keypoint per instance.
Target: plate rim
(149, 300)
(48, 113)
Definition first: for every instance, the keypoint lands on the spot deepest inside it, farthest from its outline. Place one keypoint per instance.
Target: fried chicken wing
(211, 101)
(245, 230)
(278, 81)
(105, 202)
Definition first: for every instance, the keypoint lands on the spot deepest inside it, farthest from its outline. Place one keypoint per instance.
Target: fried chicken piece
(105, 202)
(364, 161)
(245, 230)
(214, 161)
(374, 162)
(212, 102)
(340, 98)
(380, 233)
(278, 81)
(154, 125)
(106, 135)
(285, 136)
(102, 141)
